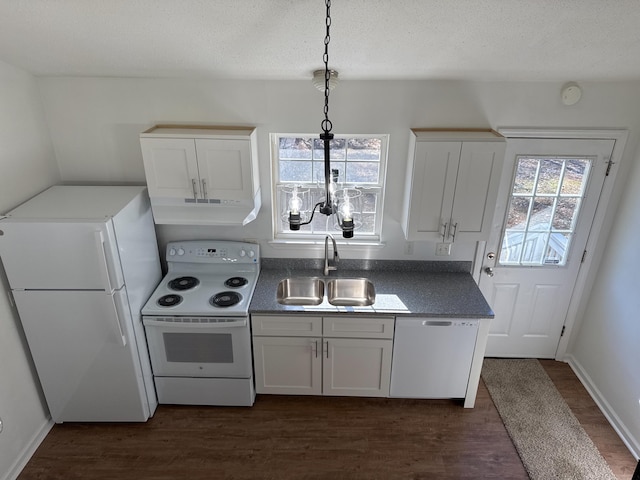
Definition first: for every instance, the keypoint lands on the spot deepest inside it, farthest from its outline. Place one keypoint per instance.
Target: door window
(543, 208)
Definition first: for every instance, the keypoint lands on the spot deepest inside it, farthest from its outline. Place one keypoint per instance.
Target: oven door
(199, 347)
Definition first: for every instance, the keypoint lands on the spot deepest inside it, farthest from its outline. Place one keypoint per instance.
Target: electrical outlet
(443, 249)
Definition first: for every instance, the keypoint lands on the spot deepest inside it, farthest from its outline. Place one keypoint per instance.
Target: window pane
(534, 248)
(576, 172)
(525, 175)
(549, 176)
(337, 149)
(322, 223)
(541, 213)
(369, 201)
(368, 223)
(566, 212)
(294, 148)
(511, 247)
(518, 211)
(557, 249)
(364, 149)
(318, 172)
(362, 172)
(295, 171)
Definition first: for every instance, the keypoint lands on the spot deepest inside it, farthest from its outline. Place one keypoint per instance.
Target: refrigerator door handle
(102, 260)
(119, 315)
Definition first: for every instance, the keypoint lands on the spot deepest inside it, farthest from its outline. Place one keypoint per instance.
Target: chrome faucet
(336, 257)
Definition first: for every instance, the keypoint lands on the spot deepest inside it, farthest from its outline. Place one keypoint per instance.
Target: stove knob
(243, 252)
(252, 254)
(172, 252)
(181, 251)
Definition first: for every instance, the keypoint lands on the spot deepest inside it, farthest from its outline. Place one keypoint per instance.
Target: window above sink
(359, 162)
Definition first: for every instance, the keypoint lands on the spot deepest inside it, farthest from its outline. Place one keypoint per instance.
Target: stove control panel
(212, 251)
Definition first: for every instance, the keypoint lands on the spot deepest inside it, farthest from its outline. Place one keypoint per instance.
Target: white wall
(95, 125)
(27, 166)
(606, 348)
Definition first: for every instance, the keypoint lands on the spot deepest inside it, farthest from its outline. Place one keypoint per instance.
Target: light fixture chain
(326, 123)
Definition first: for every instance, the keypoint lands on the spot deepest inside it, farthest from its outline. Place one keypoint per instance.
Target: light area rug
(549, 439)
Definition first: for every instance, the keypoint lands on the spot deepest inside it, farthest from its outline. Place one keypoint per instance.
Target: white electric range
(197, 323)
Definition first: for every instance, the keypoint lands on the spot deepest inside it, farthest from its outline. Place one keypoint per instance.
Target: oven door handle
(148, 322)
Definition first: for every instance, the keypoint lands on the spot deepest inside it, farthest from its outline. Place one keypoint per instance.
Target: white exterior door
(547, 203)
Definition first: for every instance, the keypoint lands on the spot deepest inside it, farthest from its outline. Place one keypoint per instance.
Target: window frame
(287, 236)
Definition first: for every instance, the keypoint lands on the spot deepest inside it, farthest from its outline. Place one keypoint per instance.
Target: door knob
(489, 271)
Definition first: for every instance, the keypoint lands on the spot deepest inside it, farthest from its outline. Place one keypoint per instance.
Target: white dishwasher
(432, 357)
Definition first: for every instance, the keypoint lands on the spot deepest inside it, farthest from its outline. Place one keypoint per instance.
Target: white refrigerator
(81, 262)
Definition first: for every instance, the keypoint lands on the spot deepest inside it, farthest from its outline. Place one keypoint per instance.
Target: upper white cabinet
(202, 175)
(452, 184)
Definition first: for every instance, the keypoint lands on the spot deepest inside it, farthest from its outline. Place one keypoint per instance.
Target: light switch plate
(443, 249)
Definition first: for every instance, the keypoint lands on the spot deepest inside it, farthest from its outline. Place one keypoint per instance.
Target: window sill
(342, 243)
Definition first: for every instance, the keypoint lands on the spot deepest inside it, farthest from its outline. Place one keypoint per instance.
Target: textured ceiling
(560, 40)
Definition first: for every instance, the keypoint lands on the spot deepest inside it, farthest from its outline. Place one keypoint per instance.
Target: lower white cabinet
(288, 365)
(350, 357)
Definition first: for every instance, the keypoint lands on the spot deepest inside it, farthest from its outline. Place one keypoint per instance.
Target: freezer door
(60, 255)
(84, 351)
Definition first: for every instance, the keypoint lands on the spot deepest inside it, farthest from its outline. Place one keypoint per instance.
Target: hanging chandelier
(336, 201)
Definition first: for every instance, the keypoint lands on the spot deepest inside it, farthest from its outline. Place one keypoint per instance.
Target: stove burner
(236, 282)
(169, 300)
(225, 299)
(183, 283)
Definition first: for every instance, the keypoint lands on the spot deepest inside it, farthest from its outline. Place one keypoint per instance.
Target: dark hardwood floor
(284, 437)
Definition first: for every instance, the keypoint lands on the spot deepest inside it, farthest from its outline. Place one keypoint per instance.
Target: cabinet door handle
(444, 231)
(455, 229)
(195, 188)
(326, 348)
(204, 188)
(314, 348)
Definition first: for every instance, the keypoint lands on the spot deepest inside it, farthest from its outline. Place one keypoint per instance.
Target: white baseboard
(28, 451)
(629, 440)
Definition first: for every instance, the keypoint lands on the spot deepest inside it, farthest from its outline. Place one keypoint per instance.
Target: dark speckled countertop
(413, 288)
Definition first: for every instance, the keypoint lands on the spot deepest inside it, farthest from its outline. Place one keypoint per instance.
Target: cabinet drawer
(286, 325)
(358, 327)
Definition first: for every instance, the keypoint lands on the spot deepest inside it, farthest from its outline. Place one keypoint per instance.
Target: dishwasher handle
(418, 323)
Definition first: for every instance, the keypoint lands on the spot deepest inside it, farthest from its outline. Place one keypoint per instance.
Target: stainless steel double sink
(343, 292)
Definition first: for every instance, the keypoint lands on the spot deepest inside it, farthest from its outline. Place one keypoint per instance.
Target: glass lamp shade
(349, 208)
(295, 205)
